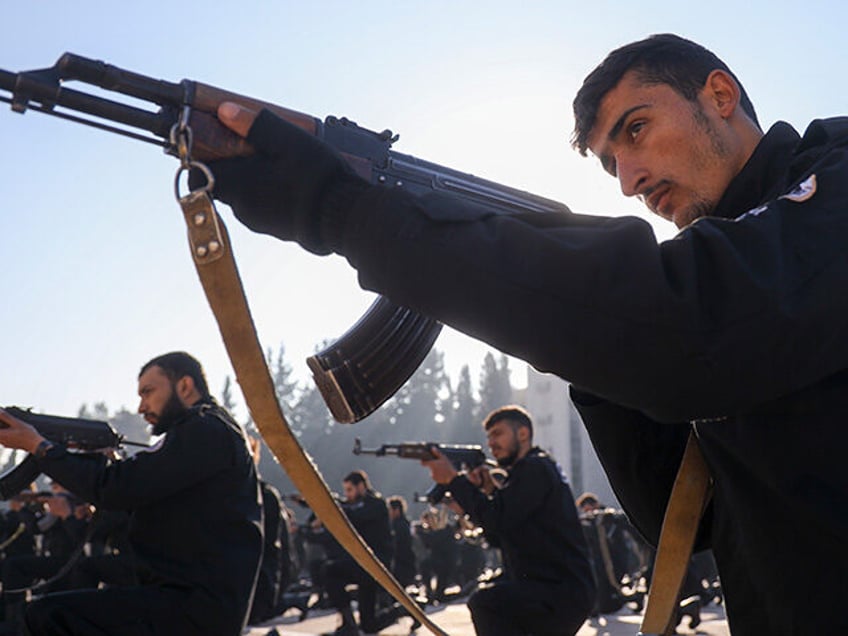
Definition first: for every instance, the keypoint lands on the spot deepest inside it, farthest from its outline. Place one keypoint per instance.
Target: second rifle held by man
(462, 456)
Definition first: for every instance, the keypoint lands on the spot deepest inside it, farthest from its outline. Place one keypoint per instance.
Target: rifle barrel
(112, 78)
(42, 91)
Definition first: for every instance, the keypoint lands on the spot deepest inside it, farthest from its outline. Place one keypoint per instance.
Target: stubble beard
(710, 156)
(509, 460)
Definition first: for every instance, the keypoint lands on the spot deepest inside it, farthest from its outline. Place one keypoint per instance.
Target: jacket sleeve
(640, 458)
(509, 508)
(191, 453)
(674, 329)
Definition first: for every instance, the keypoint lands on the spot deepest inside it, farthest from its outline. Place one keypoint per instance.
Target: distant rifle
(75, 433)
(376, 356)
(295, 498)
(31, 496)
(462, 456)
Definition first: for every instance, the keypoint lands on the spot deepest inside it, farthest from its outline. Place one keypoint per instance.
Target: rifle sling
(689, 497)
(216, 267)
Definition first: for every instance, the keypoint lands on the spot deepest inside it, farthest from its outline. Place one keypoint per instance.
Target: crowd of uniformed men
(52, 541)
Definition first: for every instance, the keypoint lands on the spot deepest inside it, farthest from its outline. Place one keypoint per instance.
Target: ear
(185, 387)
(722, 93)
(523, 434)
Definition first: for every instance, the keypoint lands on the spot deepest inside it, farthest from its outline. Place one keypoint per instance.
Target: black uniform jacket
(533, 520)
(195, 512)
(740, 321)
(370, 516)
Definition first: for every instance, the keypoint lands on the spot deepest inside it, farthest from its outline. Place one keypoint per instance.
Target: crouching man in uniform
(195, 511)
(547, 586)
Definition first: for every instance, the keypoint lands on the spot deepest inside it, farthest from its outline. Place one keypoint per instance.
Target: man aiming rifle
(547, 585)
(195, 515)
(733, 330)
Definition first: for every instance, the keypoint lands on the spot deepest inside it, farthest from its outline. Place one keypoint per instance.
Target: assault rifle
(376, 356)
(462, 456)
(75, 433)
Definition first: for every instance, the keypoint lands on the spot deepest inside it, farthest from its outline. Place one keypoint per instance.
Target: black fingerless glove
(295, 187)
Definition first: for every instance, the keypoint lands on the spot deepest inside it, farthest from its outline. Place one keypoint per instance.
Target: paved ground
(454, 619)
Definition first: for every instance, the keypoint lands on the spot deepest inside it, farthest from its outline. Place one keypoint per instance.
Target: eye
(635, 128)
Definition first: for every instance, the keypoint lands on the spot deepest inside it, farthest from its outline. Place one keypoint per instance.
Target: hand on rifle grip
(481, 478)
(295, 187)
(441, 470)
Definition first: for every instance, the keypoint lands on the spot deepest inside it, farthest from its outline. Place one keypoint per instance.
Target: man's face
(677, 156)
(353, 492)
(160, 405)
(503, 443)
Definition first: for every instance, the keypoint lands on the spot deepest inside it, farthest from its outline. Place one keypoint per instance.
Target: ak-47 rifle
(376, 356)
(75, 433)
(462, 456)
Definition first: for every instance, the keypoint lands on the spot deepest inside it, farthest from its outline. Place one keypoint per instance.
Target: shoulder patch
(804, 191)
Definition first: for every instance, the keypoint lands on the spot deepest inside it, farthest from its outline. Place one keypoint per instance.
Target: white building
(560, 432)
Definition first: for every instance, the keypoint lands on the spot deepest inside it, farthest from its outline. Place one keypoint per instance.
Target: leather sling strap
(689, 497)
(216, 268)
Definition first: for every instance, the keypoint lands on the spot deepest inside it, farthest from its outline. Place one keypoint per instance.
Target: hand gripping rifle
(462, 456)
(75, 433)
(376, 356)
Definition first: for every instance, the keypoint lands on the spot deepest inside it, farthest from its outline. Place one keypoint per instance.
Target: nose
(142, 407)
(632, 175)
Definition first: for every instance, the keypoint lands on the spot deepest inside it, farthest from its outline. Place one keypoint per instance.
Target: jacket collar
(763, 176)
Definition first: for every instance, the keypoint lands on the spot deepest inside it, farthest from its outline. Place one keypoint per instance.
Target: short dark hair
(659, 59)
(398, 503)
(179, 364)
(514, 414)
(588, 498)
(357, 477)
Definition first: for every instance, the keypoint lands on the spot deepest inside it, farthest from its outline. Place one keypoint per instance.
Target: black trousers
(125, 611)
(525, 608)
(337, 574)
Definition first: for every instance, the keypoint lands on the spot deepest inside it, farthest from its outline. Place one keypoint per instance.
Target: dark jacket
(739, 322)
(195, 512)
(779, 517)
(403, 557)
(533, 520)
(370, 517)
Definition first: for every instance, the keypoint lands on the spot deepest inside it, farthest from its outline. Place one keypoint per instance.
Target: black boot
(348, 626)
(690, 607)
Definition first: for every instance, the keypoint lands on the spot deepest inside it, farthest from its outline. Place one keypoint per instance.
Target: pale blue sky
(95, 275)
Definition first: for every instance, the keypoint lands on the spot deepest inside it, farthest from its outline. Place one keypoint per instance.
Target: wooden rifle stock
(376, 356)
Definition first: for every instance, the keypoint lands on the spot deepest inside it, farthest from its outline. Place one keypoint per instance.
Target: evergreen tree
(495, 388)
(101, 411)
(281, 374)
(310, 418)
(227, 400)
(420, 404)
(464, 421)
